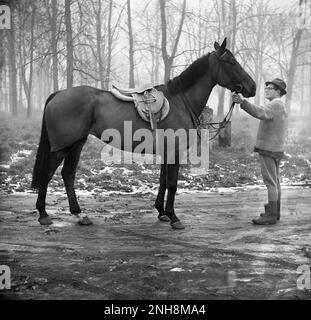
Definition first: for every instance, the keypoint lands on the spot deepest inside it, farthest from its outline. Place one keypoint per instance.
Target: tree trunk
(108, 71)
(156, 76)
(40, 89)
(2, 53)
(154, 40)
(131, 46)
(7, 93)
(2, 72)
(292, 69)
(165, 56)
(69, 45)
(168, 59)
(227, 20)
(46, 84)
(2, 87)
(53, 24)
(29, 96)
(99, 44)
(233, 15)
(6, 90)
(310, 90)
(221, 102)
(302, 91)
(12, 69)
(20, 89)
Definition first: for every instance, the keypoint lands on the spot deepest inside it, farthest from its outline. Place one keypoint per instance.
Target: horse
(72, 114)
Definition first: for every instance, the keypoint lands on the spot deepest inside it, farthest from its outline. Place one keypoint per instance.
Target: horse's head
(228, 72)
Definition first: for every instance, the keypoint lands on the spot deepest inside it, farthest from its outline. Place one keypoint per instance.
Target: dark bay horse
(71, 115)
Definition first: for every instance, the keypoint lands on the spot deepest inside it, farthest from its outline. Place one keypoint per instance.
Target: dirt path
(128, 254)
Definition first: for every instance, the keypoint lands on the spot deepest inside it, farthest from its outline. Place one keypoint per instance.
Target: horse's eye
(230, 61)
(225, 57)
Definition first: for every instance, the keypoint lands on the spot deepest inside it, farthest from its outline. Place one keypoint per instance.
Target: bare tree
(52, 18)
(226, 14)
(69, 44)
(131, 45)
(2, 53)
(98, 12)
(109, 48)
(310, 90)
(168, 59)
(2, 69)
(27, 83)
(292, 68)
(12, 65)
(148, 44)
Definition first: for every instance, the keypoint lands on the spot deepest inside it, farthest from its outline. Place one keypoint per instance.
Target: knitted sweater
(272, 127)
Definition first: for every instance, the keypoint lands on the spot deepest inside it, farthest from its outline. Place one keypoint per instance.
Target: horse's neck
(198, 94)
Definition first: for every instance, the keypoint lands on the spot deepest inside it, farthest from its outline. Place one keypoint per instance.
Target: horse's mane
(189, 76)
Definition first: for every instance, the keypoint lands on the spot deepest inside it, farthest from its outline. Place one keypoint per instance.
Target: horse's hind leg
(68, 173)
(55, 159)
(171, 183)
(159, 203)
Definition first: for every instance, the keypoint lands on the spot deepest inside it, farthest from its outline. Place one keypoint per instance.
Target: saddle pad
(130, 91)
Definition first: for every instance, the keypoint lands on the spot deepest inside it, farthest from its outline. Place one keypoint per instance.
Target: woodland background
(54, 44)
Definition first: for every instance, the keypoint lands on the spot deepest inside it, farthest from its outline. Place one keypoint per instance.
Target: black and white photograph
(155, 151)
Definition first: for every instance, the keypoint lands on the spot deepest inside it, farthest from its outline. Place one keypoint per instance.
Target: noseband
(224, 64)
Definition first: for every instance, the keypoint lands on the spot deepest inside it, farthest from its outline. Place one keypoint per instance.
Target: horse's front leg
(171, 184)
(159, 203)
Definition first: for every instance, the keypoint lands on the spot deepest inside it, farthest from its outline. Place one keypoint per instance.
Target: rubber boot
(270, 217)
(278, 210)
(266, 205)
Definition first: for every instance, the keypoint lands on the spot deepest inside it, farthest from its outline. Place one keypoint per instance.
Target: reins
(225, 121)
(222, 124)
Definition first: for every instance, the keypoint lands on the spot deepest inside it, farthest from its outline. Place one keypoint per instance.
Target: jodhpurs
(270, 170)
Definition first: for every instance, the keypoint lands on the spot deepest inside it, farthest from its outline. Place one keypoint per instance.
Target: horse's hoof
(177, 225)
(164, 218)
(45, 221)
(85, 221)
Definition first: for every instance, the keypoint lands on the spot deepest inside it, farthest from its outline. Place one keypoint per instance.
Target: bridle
(217, 126)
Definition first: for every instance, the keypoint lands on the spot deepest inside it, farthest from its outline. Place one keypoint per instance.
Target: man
(269, 144)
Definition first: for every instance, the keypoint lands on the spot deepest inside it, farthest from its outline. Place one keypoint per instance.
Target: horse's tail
(40, 170)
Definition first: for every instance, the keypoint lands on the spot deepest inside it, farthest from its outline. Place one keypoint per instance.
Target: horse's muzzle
(246, 92)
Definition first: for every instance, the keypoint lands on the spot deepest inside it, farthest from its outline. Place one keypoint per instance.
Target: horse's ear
(223, 45)
(216, 45)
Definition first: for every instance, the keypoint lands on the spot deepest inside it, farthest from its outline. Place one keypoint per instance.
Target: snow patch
(17, 156)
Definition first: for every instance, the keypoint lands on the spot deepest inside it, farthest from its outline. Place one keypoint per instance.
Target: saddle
(150, 103)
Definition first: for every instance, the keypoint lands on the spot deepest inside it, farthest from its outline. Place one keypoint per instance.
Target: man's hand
(236, 98)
